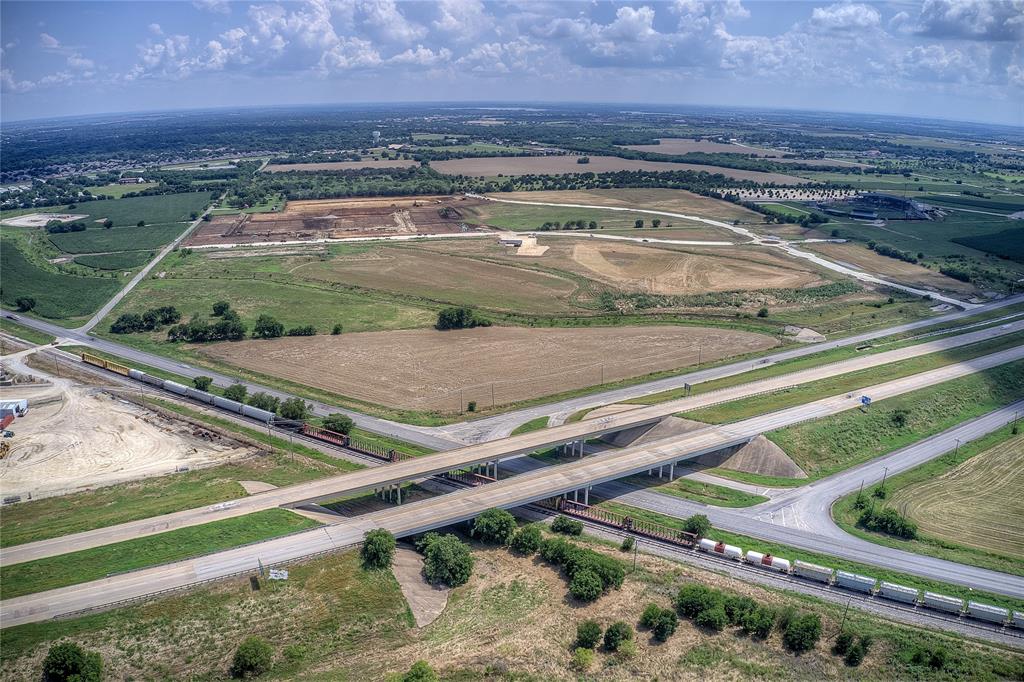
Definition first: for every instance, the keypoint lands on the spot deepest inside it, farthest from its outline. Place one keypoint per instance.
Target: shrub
(336, 330)
(494, 526)
(267, 328)
(582, 659)
(786, 616)
(650, 615)
(888, 521)
(420, 672)
(447, 561)
(857, 652)
(471, 406)
(713, 618)
(617, 633)
(252, 658)
(305, 330)
(628, 543)
(763, 312)
(25, 303)
(264, 401)
(567, 526)
(694, 598)
(802, 633)
(339, 423)
(698, 524)
(844, 641)
(220, 307)
(555, 550)
(586, 585)
(588, 634)
(294, 408)
(378, 549)
(737, 607)
(236, 392)
(758, 623)
(666, 625)
(459, 318)
(202, 383)
(68, 661)
(527, 540)
(933, 658)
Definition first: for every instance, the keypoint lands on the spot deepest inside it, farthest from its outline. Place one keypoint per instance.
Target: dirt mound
(759, 456)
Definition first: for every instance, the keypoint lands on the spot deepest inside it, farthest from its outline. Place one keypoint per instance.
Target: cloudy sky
(946, 58)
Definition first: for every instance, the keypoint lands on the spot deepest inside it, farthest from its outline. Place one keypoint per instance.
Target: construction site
(337, 219)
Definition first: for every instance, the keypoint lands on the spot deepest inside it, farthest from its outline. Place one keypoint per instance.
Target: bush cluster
(888, 521)
(57, 227)
(378, 549)
(71, 663)
(590, 573)
(129, 323)
(853, 649)
(252, 658)
(527, 540)
(892, 252)
(715, 610)
(495, 526)
(446, 559)
(567, 526)
(661, 622)
(460, 318)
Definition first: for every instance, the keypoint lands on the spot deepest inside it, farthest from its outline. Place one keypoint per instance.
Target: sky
(956, 59)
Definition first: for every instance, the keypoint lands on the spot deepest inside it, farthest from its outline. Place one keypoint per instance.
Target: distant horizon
(963, 58)
(643, 108)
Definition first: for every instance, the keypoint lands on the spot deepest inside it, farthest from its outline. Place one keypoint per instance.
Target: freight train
(866, 584)
(234, 406)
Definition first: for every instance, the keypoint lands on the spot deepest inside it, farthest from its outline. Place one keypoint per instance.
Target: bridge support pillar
(672, 471)
(586, 496)
(661, 472)
(650, 472)
(398, 492)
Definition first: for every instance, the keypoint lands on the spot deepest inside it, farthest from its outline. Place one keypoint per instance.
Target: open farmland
(671, 200)
(561, 165)
(970, 504)
(338, 219)
(428, 369)
(153, 210)
(57, 295)
(122, 260)
(677, 145)
(101, 240)
(340, 165)
(863, 258)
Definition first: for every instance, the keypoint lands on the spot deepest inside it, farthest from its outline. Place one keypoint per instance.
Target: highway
(449, 460)
(454, 435)
(466, 504)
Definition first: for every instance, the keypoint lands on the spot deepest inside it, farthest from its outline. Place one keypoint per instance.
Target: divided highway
(513, 492)
(370, 479)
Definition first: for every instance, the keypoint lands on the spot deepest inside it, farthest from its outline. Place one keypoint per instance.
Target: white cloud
(349, 53)
(8, 83)
(463, 20)
(845, 17)
(388, 23)
(155, 29)
(422, 56)
(48, 42)
(80, 63)
(216, 6)
(989, 20)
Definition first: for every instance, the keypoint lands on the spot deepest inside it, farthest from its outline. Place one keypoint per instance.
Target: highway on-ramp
(465, 504)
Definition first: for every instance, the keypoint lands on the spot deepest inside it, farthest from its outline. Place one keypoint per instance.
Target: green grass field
(825, 446)
(175, 545)
(123, 260)
(118, 191)
(154, 210)
(101, 240)
(57, 295)
(845, 383)
(24, 333)
(698, 491)
(845, 514)
(532, 425)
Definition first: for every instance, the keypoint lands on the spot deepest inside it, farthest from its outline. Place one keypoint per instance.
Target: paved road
(465, 504)
(494, 450)
(454, 435)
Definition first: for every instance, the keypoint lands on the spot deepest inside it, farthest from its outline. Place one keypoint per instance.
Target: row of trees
(154, 318)
(295, 409)
(460, 318)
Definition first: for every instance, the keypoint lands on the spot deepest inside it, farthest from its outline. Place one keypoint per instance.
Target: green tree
(639, 223)
(202, 383)
(617, 633)
(220, 307)
(698, 524)
(378, 549)
(25, 303)
(495, 526)
(69, 662)
(141, 223)
(656, 222)
(336, 330)
(294, 408)
(447, 560)
(586, 585)
(628, 543)
(582, 659)
(665, 626)
(267, 328)
(236, 392)
(759, 622)
(713, 618)
(339, 423)
(567, 526)
(459, 318)
(420, 672)
(252, 658)
(802, 633)
(763, 312)
(527, 540)
(650, 615)
(588, 634)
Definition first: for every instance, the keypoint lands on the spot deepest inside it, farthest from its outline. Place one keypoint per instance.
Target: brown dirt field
(904, 273)
(432, 370)
(558, 165)
(338, 219)
(675, 145)
(340, 165)
(448, 278)
(969, 504)
(673, 200)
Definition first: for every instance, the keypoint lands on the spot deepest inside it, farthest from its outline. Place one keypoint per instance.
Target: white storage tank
(715, 547)
(1018, 619)
(987, 612)
(854, 581)
(768, 561)
(813, 571)
(907, 595)
(941, 602)
(732, 552)
(707, 545)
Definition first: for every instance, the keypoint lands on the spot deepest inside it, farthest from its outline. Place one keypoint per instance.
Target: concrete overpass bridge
(512, 492)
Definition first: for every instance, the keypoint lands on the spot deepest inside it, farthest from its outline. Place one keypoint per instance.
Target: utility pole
(957, 448)
(843, 622)
(885, 473)
(636, 548)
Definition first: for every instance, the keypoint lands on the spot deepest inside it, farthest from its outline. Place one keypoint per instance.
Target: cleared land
(899, 271)
(40, 219)
(74, 437)
(672, 200)
(340, 165)
(559, 165)
(678, 145)
(442, 371)
(974, 504)
(338, 219)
